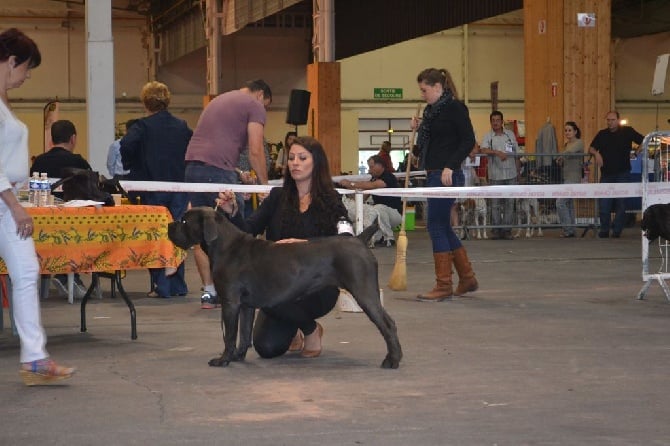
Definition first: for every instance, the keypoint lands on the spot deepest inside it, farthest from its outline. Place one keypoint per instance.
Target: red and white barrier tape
(587, 190)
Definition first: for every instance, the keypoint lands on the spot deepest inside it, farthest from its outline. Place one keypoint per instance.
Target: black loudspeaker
(298, 106)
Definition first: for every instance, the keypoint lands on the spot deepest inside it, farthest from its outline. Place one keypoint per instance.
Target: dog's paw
(219, 361)
(390, 363)
(239, 355)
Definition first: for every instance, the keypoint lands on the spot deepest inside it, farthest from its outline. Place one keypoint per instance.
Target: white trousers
(23, 268)
(389, 218)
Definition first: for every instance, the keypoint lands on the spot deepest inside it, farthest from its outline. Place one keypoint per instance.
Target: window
(373, 132)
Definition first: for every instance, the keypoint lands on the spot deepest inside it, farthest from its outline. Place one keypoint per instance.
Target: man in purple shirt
(231, 122)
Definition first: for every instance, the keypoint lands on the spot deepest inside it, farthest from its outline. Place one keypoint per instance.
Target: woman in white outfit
(18, 55)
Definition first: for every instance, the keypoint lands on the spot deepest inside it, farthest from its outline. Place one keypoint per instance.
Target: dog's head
(652, 219)
(198, 226)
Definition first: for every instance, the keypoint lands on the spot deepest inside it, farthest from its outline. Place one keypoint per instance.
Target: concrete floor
(553, 349)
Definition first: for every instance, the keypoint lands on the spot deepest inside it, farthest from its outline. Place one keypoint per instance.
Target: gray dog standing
(252, 273)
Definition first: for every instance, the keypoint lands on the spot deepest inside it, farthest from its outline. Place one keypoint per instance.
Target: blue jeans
(502, 209)
(566, 214)
(438, 218)
(606, 205)
(197, 172)
(176, 202)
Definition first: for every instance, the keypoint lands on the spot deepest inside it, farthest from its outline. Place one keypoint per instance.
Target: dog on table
(528, 211)
(252, 273)
(656, 222)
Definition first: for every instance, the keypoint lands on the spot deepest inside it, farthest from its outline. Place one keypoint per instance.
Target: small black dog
(656, 222)
(251, 273)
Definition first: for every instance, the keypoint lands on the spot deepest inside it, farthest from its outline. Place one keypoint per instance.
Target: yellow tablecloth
(90, 239)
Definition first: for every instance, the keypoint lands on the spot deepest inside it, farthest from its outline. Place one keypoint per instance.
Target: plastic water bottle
(361, 169)
(344, 226)
(45, 190)
(33, 190)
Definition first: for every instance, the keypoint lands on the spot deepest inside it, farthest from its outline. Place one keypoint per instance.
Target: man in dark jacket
(61, 155)
(388, 209)
(611, 148)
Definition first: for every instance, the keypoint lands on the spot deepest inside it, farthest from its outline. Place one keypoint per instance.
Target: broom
(398, 280)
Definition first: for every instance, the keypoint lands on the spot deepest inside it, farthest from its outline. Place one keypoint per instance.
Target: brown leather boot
(443, 285)
(466, 276)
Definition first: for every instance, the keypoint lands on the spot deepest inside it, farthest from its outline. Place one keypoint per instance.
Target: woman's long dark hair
(323, 193)
(573, 124)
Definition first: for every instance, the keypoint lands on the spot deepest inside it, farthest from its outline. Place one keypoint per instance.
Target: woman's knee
(267, 349)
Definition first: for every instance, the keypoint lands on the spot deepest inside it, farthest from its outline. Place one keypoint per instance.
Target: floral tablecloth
(91, 239)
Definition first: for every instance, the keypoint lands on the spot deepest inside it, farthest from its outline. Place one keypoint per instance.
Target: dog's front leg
(246, 329)
(229, 318)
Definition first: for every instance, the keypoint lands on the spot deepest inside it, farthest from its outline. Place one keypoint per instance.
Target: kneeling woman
(306, 206)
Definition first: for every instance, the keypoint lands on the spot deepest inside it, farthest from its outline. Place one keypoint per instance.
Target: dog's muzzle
(176, 233)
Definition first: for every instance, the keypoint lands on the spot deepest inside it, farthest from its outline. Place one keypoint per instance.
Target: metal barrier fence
(655, 170)
(473, 217)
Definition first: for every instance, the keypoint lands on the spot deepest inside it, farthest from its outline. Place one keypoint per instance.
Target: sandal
(153, 293)
(297, 343)
(314, 353)
(44, 371)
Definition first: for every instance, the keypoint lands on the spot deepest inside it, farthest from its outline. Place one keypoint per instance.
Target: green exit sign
(388, 93)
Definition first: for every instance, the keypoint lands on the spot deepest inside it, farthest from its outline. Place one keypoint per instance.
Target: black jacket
(56, 159)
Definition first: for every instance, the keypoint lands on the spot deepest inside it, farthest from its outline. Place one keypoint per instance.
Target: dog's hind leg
(368, 299)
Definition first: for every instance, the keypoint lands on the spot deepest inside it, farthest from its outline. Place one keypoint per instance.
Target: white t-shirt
(14, 163)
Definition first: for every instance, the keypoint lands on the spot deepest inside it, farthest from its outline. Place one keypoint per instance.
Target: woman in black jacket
(445, 138)
(153, 150)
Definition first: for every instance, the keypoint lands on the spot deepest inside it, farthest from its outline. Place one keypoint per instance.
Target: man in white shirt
(503, 168)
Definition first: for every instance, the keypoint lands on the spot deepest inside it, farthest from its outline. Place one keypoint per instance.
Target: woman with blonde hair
(445, 139)
(154, 150)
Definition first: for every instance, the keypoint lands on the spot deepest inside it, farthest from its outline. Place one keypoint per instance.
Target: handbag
(84, 184)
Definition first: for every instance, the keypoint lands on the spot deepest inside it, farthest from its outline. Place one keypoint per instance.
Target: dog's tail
(368, 232)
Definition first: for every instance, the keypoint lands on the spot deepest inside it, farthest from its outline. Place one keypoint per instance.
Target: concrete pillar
(100, 105)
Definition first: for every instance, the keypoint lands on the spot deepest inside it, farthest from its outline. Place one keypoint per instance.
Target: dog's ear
(209, 228)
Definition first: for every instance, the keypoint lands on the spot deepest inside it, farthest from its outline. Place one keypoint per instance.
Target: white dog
(473, 213)
(528, 215)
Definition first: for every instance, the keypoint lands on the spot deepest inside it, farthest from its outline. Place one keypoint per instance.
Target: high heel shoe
(297, 343)
(314, 353)
(44, 371)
